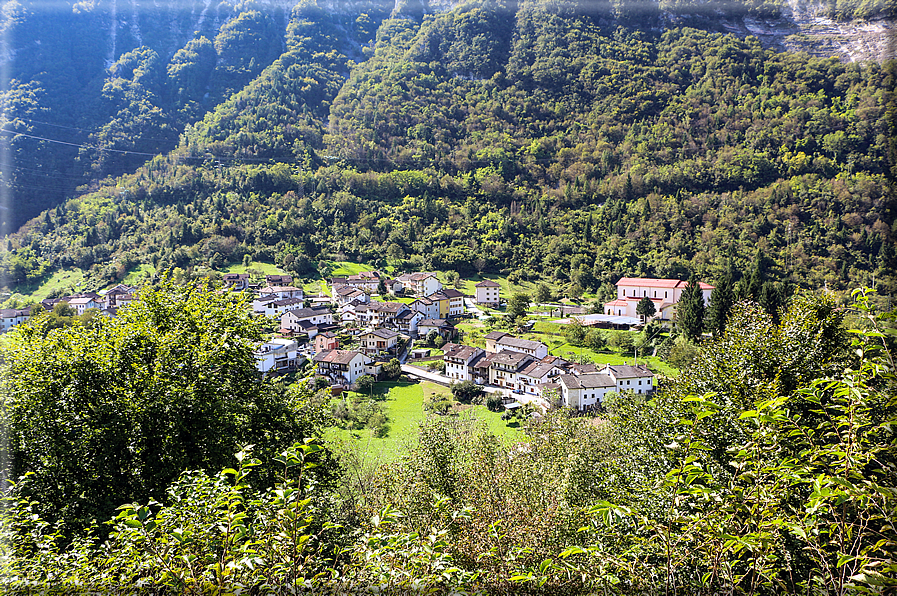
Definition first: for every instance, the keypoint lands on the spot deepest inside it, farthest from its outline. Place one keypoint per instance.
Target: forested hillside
(565, 142)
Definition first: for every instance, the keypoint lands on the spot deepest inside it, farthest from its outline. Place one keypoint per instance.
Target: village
(366, 320)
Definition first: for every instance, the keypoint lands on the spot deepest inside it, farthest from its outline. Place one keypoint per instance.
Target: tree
(721, 301)
(393, 369)
(690, 310)
(381, 287)
(465, 391)
(364, 384)
(645, 308)
(113, 412)
(517, 305)
(595, 340)
(574, 332)
(543, 293)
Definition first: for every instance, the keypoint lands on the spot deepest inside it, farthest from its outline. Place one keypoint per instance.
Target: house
(376, 341)
(345, 294)
(278, 355)
(536, 349)
(283, 292)
(582, 392)
(326, 341)
(118, 297)
(366, 281)
(487, 292)
(427, 307)
(279, 280)
(587, 390)
(459, 361)
(630, 378)
(440, 326)
(306, 320)
(82, 303)
(504, 368)
(259, 303)
(10, 317)
(493, 337)
(380, 314)
(236, 281)
(341, 366)
(442, 301)
(407, 322)
(532, 377)
(456, 302)
(420, 284)
(496, 341)
(276, 308)
(664, 293)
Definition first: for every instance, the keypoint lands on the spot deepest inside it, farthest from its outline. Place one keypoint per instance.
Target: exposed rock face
(804, 27)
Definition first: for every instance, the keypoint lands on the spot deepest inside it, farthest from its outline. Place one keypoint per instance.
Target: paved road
(472, 308)
(442, 379)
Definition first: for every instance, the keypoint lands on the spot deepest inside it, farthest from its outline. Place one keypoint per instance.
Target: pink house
(664, 293)
(326, 341)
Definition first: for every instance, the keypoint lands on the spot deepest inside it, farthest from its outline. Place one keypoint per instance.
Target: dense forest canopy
(566, 141)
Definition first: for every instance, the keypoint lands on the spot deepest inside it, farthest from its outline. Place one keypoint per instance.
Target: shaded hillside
(96, 89)
(564, 146)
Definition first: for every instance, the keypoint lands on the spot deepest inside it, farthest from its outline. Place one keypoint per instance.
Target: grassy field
(138, 275)
(343, 268)
(264, 268)
(67, 281)
(657, 365)
(403, 403)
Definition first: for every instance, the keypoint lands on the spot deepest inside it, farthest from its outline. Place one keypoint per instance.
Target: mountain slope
(566, 146)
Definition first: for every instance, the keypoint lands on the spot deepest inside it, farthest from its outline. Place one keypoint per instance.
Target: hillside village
(366, 320)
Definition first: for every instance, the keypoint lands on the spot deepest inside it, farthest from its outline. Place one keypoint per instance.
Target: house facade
(301, 319)
(325, 341)
(277, 355)
(664, 293)
(487, 292)
(582, 392)
(536, 349)
(459, 361)
(341, 366)
(10, 317)
(378, 341)
(588, 390)
(420, 284)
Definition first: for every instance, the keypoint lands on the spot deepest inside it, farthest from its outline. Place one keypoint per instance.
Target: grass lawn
(497, 426)
(139, 274)
(343, 268)
(403, 403)
(68, 281)
(657, 365)
(507, 288)
(264, 268)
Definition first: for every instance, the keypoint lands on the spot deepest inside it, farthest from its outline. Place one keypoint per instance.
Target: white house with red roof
(664, 293)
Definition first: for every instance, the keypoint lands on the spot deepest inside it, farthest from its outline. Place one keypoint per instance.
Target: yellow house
(444, 303)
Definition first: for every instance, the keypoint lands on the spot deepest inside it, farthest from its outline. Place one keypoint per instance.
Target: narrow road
(442, 379)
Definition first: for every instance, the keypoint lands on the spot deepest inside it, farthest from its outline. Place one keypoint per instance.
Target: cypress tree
(755, 283)
(721, 301)
(690, 310)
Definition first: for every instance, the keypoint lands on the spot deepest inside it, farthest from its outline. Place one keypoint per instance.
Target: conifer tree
(690, 310)
(721, 301)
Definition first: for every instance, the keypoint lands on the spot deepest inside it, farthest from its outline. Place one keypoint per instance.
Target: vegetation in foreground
(768, 466)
